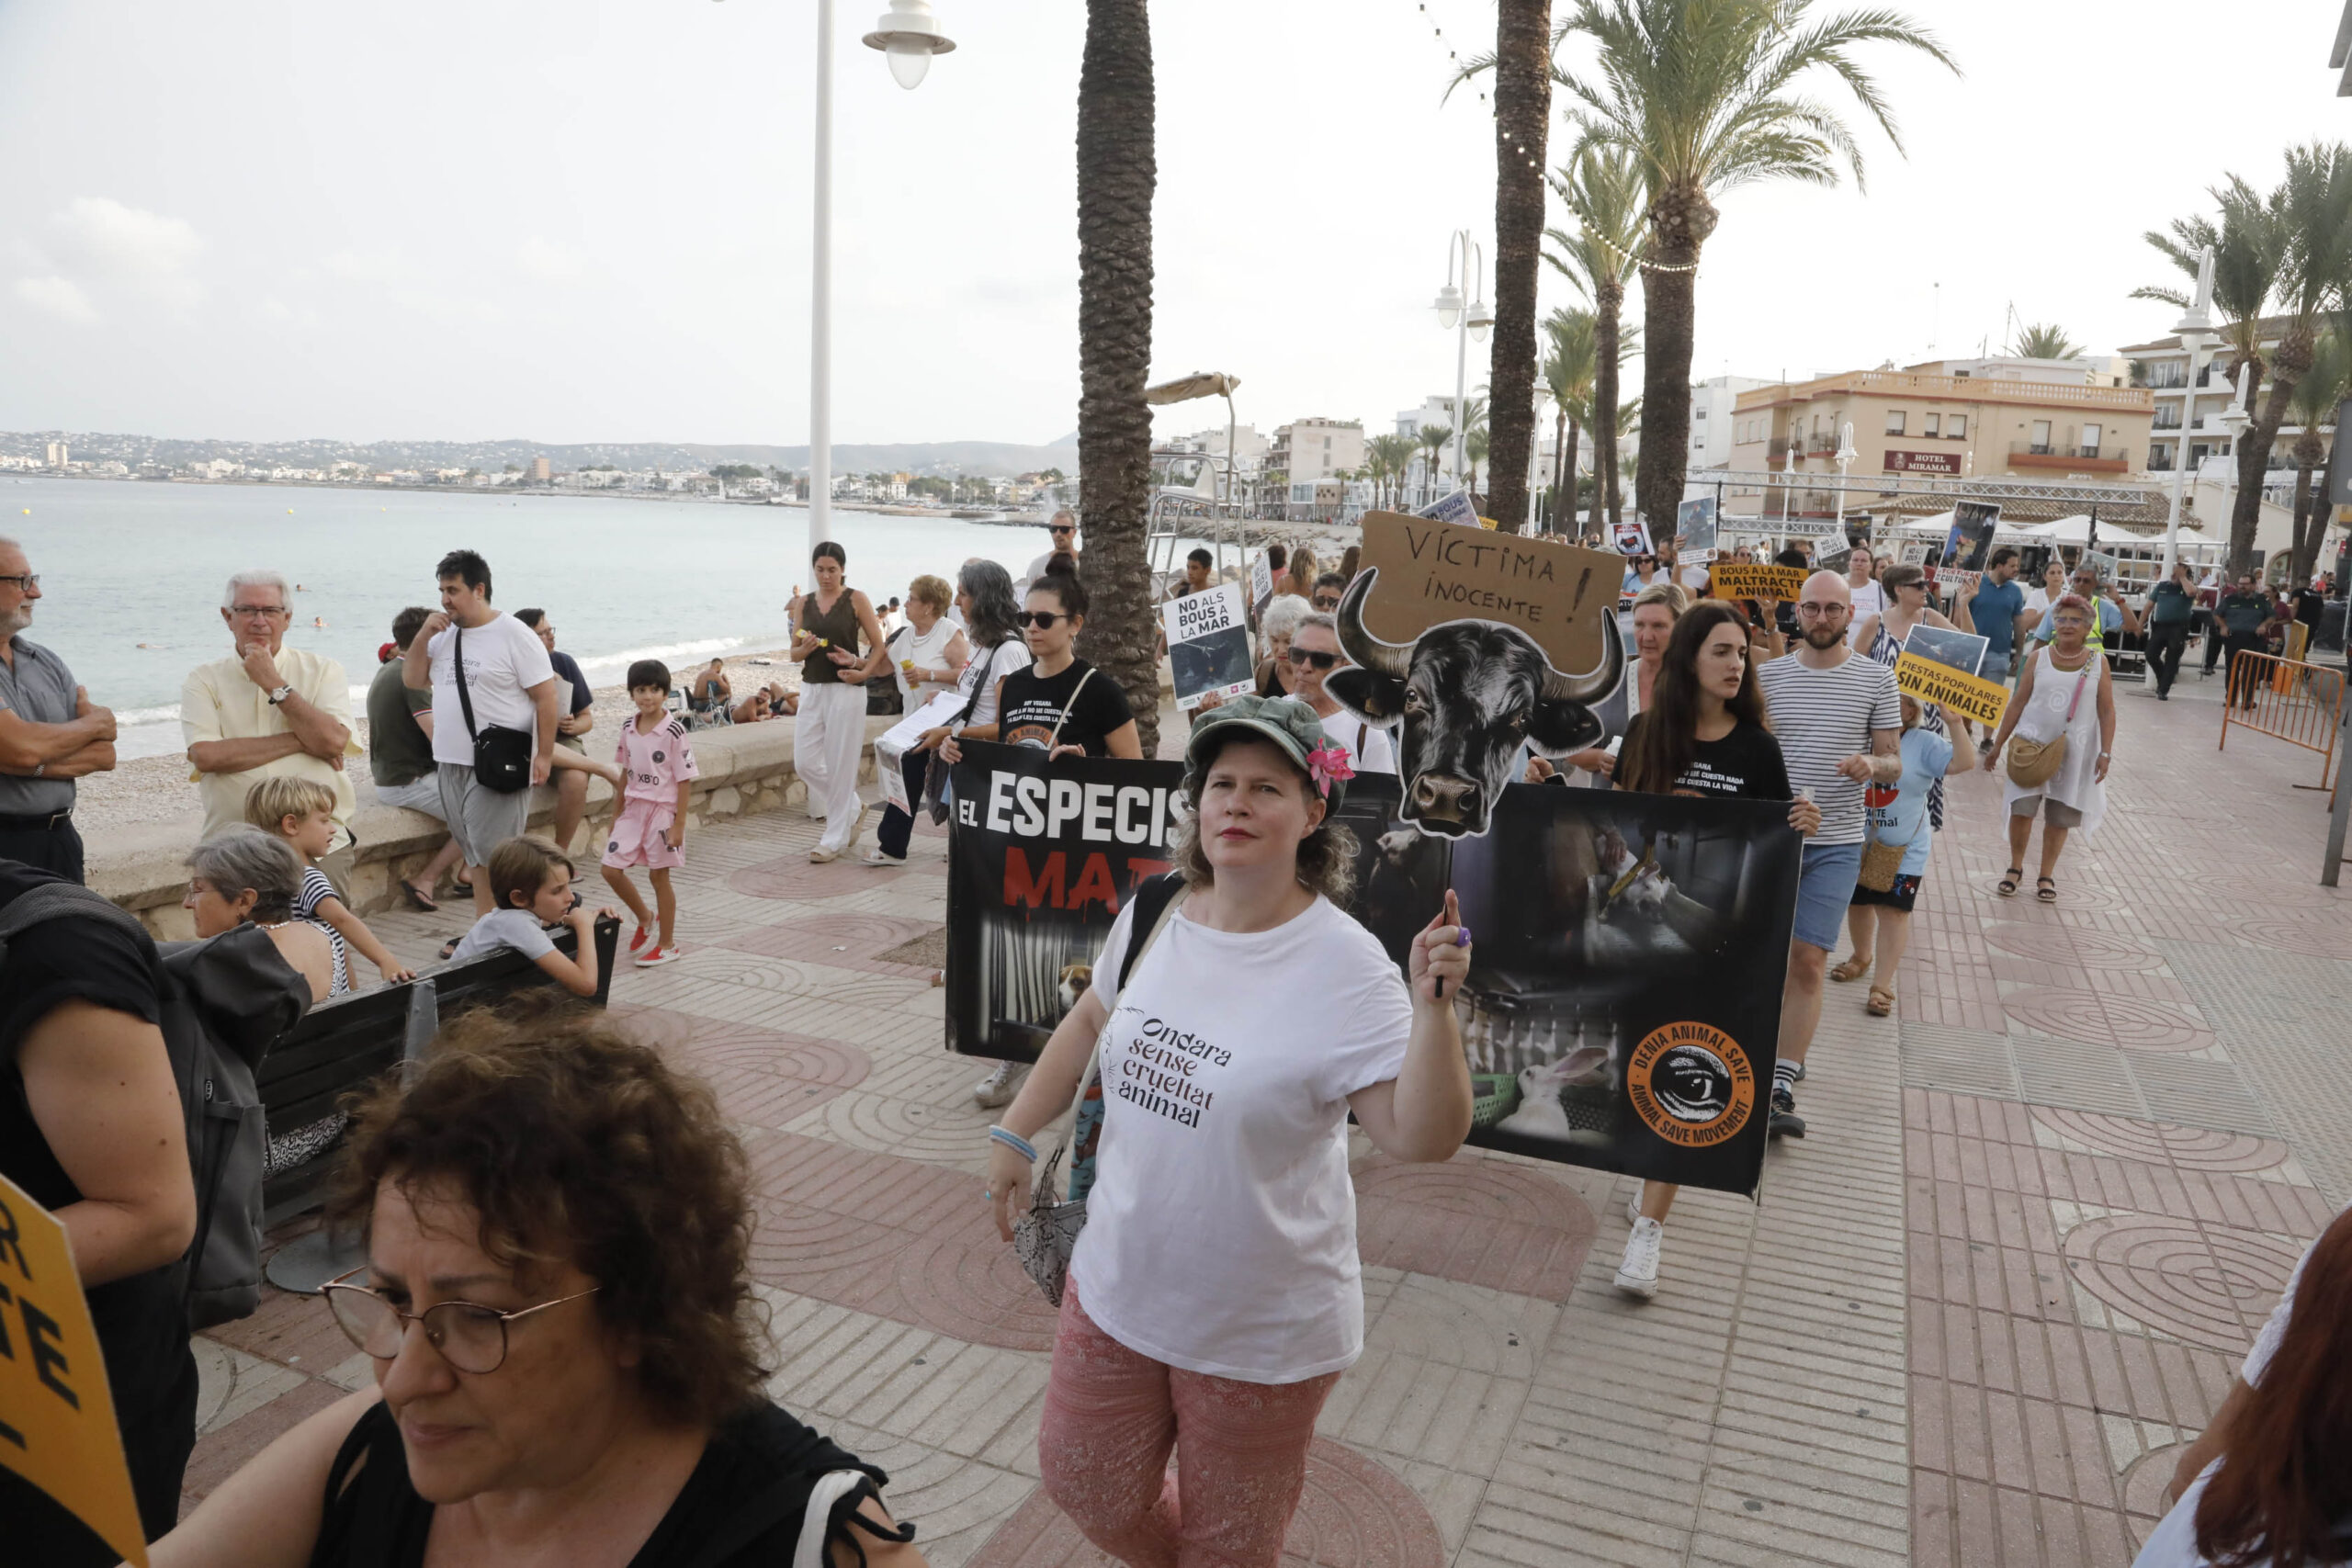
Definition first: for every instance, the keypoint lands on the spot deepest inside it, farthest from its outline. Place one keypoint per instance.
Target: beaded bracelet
(1015, 1142)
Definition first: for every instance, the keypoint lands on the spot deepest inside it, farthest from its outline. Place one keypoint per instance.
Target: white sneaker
(1633, 1207)
(876, 857)
(997, 1088)
(1637, 1272)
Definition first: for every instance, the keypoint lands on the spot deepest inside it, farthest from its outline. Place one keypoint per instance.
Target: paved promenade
(2040, 1217)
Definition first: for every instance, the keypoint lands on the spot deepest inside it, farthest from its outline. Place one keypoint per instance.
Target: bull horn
(1596, 684)
(1392, 660)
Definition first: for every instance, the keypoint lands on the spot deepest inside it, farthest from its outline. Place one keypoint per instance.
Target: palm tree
(1392, 454)
(1707, 95)
(1522, 118)
(2314, 407)
(1434, 438)
(1568, 376)
(2045, 343)
(1475, 448)
(1603, 189)
(1117, 173)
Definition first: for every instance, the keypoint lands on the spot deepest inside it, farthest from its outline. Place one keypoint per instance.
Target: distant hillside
(942, 457)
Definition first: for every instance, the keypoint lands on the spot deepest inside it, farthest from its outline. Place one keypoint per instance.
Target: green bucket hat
(1289, 723)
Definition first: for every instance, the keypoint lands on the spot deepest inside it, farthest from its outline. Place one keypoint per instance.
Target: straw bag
(2032, 763)
(1044, 1238)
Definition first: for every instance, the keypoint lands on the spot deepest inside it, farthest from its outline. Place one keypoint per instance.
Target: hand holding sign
(1442, 953)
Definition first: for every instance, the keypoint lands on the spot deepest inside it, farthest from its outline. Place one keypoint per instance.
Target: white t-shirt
(1010, 656)
(1221, 1230)
(1368, 747)
(504, 658)
(517, 929)
(1869, 599)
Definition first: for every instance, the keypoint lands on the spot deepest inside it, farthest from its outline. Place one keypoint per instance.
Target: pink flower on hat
(1328, 762)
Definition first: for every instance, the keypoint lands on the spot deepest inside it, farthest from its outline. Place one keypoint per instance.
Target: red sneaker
(657, 955)
(639, 940)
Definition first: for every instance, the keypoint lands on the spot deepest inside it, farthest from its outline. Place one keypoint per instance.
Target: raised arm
(1423, 1114)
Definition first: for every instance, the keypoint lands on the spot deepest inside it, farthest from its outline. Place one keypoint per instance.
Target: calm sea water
(132, 574)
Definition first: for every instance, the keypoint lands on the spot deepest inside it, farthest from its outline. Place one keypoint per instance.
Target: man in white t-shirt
(510, 684)
(1315, 653)
(1839, 723)
(1064, 529)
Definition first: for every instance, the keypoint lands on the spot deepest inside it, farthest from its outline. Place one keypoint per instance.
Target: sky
(590, 220)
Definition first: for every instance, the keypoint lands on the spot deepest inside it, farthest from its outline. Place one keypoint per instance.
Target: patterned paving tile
(1482, 1222)
(2179, 1279)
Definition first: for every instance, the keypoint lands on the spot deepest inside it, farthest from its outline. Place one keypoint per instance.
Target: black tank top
(740, 1509)
(837, 625)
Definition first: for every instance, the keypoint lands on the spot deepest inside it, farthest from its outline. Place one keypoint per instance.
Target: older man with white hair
(268, 710)
(51, 733)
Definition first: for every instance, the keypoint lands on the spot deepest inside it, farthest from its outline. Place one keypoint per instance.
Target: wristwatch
(280, 695)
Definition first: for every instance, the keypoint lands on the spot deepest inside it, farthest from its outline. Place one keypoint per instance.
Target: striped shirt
(1823, 717)
(314, 889)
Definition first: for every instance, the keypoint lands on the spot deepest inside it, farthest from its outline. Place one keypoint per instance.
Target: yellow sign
(1430, 573)
(1738, 580)
(1970, 695)
(57, 1426)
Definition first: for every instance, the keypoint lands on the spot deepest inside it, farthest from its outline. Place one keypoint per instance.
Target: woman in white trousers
(829, 730)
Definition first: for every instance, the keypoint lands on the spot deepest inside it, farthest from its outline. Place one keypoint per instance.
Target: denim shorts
(1824, 889)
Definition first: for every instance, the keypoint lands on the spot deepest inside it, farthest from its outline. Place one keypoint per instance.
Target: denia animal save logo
(1691, 1084)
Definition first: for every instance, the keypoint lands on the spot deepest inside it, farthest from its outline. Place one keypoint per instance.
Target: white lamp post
(909, 35)
(2196, 330)
(1845, 455)
(1465, 326)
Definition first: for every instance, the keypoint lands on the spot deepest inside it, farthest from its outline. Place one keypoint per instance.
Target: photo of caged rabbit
(1551, 1073)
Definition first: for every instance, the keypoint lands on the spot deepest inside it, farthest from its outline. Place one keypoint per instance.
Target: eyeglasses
(258, 612)
(26, 583)
(1061, 528)
(1040, 619)
(1820, 612)
(1326, 601)
(469, 1338)
(1303, 657)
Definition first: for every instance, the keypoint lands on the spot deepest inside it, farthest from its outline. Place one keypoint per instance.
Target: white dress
(2075, 783)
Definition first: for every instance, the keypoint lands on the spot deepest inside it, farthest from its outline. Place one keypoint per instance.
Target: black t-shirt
(1033, 704)
(375, 1520)
(1746, 763)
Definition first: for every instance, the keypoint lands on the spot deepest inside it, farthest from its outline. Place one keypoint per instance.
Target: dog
(1076, 979)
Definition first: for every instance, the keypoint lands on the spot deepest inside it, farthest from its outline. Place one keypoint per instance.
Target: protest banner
(1969, 695)
(1805, 527)
(1456, 507)
(1623, 1000)
(1963, 651)
(891, 747)
(1630, 538)
(1951, 580)
(1974, 523)
(1736, 580)
(1040, 856)
(2100, 563)
(1555, 593)
(1208, 645)
(1694, 532)
(1262, 582)
(57, 1421)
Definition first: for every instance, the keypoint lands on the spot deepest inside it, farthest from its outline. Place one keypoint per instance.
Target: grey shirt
(39, 689)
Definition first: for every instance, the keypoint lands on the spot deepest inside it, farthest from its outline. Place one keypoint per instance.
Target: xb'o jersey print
(656, 763)
(1033, 704)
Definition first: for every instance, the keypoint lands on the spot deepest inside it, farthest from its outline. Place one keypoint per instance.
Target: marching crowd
(563, 1218)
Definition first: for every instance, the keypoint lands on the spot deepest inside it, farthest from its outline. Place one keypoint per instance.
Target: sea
(132, 573)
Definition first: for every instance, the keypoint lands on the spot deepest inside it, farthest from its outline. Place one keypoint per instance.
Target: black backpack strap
(1153, 896)
(465, 698)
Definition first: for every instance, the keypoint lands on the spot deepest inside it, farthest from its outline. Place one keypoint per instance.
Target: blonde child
(530, 885)
(300, 812)
(650, 831)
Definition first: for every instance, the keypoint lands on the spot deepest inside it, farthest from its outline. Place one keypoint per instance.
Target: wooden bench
(343, 1045)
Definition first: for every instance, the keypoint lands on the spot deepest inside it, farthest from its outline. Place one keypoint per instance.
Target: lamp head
(909, 35)
(1449, 307)
(1481, 318)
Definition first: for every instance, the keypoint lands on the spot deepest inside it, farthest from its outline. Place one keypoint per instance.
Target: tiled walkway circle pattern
(2170, 1275)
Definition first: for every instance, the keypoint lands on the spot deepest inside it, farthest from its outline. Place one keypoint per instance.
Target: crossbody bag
(2033, 763)
(502, 756)
(1044, 1238)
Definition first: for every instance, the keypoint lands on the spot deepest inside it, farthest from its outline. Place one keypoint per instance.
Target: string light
(1440, 33)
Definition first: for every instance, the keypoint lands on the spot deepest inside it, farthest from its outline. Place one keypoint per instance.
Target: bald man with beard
(1839, 723)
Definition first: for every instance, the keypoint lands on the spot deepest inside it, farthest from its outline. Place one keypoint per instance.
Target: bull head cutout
(1464, 696)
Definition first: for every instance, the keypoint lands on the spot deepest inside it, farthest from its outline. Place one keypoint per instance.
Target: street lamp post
(909, 36)
(1845, 455)
(1465, 326)
(2195, 329)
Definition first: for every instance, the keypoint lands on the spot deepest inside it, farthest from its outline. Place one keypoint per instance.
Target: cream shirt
(220, 702)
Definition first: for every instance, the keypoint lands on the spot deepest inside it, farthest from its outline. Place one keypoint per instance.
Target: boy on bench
(530, 884)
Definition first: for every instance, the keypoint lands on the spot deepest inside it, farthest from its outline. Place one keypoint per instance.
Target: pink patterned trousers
(1112, 1418)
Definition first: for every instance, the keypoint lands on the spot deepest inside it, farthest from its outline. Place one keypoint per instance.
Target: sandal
(2008, 887)
(419, 898)
(1881, 1001)
(449, 948)
(1853, 968)
(2046, 889)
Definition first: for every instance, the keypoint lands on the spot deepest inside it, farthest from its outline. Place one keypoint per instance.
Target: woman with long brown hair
(1705, 732)
(2269, 1484)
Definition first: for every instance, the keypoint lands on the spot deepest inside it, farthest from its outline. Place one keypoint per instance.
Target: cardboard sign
(1208, 645)
(1807, 527)
(57, 1424)
(1736, 580)
(1630, 538)
(1431, 575)
(1694, 532)
(1455, 508)
(1940, 684)
(1261, 579)
(1951, 580)
(1974, 523)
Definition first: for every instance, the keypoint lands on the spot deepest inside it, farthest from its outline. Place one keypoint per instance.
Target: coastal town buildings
(2191, 416)
(1711, 419)
(1306, 452)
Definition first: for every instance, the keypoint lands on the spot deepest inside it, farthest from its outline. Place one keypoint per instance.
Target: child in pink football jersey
(658, 763)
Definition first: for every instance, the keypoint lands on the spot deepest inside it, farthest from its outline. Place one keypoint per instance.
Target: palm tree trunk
(1116, 176)
(1522, 112)
(1680, 220)
(1609, 303)
(1564, 489)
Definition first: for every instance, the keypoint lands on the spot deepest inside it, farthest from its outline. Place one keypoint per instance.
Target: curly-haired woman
(1216, 1294)
(557, 1304)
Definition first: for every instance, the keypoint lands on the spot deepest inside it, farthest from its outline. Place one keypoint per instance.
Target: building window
(1930, 424)
(1959, 431)
(2040, 443)
(1894, 421)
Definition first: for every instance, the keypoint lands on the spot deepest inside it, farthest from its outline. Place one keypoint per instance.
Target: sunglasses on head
(1041, 619)
(1302, 656)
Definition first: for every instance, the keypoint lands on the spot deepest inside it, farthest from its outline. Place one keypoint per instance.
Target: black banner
(1623, 1004)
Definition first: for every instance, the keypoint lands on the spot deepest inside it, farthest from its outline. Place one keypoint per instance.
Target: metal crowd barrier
(2299, 703)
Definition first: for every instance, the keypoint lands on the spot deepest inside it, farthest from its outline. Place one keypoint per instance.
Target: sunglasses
(1326, 601)
(1303, 657)
(1061, 530)
(1041, 619)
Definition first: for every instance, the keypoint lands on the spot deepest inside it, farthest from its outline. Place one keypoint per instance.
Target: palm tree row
(2282, 260)
(1571, 373)
(1603, 192)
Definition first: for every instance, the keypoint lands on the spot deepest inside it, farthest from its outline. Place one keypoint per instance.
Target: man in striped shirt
(1839, 723)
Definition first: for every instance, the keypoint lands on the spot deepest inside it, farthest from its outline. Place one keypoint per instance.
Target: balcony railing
(1820, 447)
(2044, 449)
